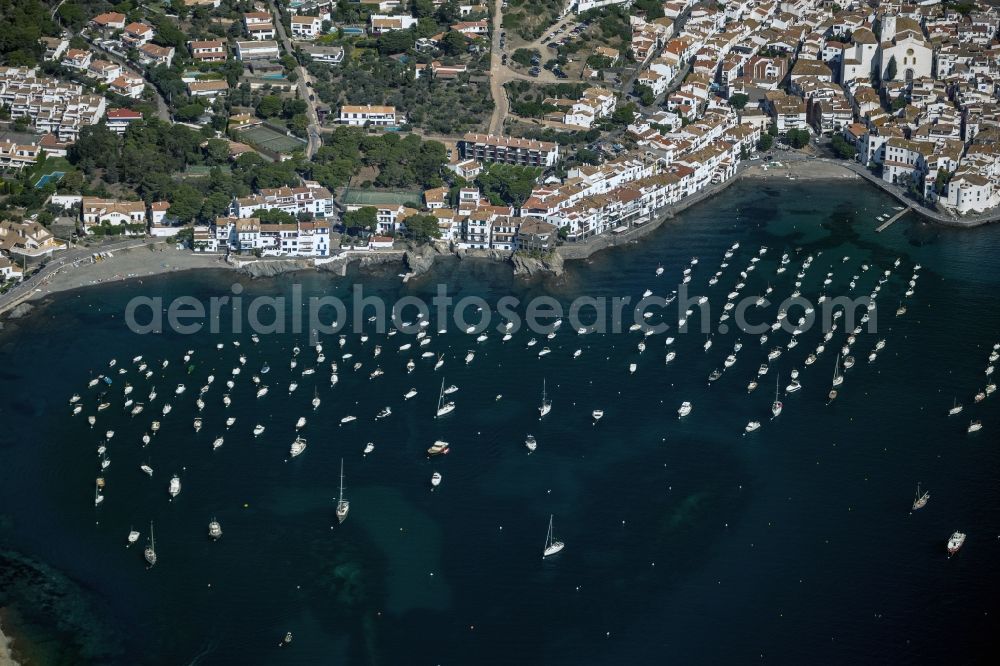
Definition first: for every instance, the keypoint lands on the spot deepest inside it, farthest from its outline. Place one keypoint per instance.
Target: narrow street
(313, 130)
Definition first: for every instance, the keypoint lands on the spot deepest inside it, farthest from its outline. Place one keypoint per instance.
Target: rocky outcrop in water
(20, 310)
(529, 266)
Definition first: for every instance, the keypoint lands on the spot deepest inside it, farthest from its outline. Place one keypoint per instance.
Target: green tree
(739, 101)
(269, 106)
(842, 148)
(365, 218)
(797, 138)
(507, 183)
(765, 142)
(274, 216)
(890, 69)
(185, 203)
(422, 227)
(524, 56)
(454, 43)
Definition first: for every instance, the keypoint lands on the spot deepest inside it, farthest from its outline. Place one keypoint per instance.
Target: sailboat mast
(341, 498)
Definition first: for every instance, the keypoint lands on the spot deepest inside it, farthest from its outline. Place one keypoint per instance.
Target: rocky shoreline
(418, 260)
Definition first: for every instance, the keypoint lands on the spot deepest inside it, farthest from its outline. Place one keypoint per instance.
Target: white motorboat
(684, 409)
(348, 419)
(975, 426)
(793, 386)
(214, 529)
(262, 391)
(436, 479)
(298, 446)
(217, 443)
(409, 394)
(384, 413)
(730, 360)
(133, 536)
(292, 387)
(632, 368)
(230, 421)
(258, 430)
(369, 447)
(751, 426)
(174, 489)
(197, 424)
(439, 447)
(301, 423)
(598, 414)
(180, 389)
(531, 443)
(146, 469)
(577, 353)
(671, 355)
(955, 542)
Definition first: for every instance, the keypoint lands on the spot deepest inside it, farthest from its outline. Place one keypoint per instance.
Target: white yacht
(343, 506)
(684, 409)
(551, 545)
(546, 405)
(298, 446)
(443, 407)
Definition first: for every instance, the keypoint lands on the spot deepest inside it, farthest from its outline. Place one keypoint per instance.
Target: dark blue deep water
(686, 542)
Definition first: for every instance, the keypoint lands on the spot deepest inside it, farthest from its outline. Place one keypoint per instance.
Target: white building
(257, 50)
(369, 115)
(306, 27)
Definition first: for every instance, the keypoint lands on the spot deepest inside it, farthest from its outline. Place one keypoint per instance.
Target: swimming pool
(53, 177)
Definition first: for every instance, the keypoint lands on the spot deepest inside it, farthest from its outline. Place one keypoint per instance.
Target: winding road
(313, 130)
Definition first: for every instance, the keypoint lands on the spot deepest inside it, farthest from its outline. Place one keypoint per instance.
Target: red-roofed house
(118, 120)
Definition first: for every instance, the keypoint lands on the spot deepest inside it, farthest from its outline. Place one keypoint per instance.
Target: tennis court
(265, 137)
(380, 197)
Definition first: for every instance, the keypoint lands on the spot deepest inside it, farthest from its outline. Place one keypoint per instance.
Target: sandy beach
(125, 265)
(799, 169)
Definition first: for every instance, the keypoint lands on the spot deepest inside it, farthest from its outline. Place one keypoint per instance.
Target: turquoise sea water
(685, 540)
